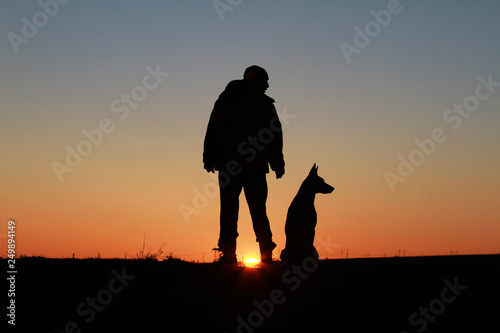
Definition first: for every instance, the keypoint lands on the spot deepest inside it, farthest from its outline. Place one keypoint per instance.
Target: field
(405, 294)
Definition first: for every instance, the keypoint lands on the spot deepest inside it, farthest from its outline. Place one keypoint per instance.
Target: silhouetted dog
(301, 220)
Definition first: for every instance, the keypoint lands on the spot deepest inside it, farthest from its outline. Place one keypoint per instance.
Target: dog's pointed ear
(314, 170)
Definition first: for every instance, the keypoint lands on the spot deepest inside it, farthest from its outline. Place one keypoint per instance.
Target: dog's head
(317, 183)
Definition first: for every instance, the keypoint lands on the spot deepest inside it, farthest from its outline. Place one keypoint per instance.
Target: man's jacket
(243, 131)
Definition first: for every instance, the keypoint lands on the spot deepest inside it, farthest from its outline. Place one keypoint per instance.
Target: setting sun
(251, 262)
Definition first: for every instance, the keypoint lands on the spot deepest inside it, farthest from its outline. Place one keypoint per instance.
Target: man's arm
(211, 144)
(276, 158)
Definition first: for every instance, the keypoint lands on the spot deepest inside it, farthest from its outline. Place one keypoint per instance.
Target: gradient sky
(355, 119)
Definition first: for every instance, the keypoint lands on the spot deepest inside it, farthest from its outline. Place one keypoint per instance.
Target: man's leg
(255, 187)
(229, 206)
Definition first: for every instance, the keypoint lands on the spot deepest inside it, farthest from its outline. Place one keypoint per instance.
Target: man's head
(257, 79)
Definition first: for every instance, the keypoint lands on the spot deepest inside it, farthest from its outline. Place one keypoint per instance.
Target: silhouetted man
(243, 138)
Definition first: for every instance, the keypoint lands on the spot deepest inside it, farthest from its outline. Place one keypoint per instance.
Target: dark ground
(346, 295)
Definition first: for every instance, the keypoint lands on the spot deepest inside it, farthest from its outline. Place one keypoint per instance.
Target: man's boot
(228, 254)
(266, 252)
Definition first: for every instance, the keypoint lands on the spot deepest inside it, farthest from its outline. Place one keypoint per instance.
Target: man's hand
(280, 173)
(209, 168)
